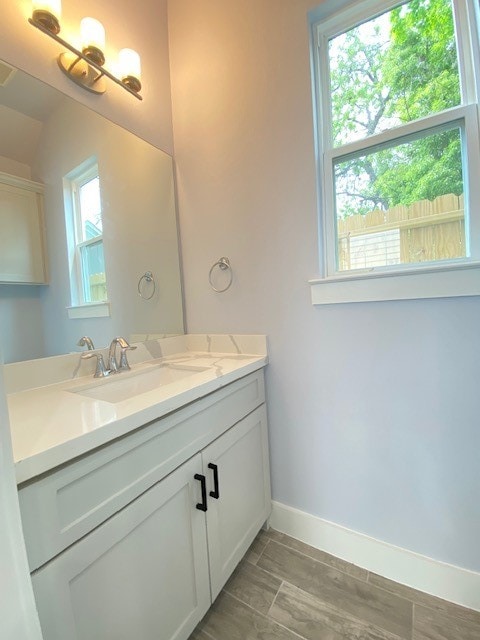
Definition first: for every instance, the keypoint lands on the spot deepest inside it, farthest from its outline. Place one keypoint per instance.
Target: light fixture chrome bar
(102, 71)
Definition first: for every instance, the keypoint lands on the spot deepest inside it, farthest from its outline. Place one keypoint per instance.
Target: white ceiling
(25, 102)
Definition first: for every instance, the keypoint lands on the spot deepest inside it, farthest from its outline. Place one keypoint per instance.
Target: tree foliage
(394, 69)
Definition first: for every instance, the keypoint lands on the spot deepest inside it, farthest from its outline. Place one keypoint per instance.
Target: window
(397, 117)
(85, 235)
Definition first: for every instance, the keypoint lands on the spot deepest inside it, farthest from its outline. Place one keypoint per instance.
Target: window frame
(466, 115)
(73, 182)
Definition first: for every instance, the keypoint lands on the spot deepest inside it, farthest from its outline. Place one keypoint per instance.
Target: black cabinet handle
(215, 493)
(202, 506)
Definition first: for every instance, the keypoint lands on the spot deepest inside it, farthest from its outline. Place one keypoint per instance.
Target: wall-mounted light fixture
(86, 67)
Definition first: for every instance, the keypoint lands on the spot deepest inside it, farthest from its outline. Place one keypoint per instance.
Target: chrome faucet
(86, 341)
(100, 371)
(113, 365)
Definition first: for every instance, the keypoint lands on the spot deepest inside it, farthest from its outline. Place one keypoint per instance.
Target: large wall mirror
(48, 138)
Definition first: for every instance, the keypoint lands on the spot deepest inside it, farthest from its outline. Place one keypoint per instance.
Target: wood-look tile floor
(285, 590)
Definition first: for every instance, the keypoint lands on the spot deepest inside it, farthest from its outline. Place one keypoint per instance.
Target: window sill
(421, 283)
(94, 310)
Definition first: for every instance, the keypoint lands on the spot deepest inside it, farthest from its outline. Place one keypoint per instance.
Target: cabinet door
(21, 236)
(143, 574)
(240, 459)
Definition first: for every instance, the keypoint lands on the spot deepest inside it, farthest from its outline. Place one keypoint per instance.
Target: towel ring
(223, 264)
(148, 277)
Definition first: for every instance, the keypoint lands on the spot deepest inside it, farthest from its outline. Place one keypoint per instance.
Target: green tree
(359, 102)
(393, 70)
(420, 65)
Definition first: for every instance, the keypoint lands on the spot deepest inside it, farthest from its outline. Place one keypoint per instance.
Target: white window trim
(434, 281)
(429, 280)
(89, 310)
(72, 184)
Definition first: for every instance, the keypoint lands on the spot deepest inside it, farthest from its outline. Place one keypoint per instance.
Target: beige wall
(373, 407)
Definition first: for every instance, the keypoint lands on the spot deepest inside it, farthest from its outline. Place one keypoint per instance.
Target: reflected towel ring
(223, 264)
(148, 277)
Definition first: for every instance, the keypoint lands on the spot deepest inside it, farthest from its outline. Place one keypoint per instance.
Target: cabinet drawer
(66, 504)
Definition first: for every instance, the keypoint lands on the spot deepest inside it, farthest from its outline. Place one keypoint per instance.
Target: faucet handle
(124, 366)
(100, 371)
(122, 343)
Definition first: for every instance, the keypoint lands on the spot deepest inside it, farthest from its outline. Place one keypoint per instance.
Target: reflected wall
(139, 226)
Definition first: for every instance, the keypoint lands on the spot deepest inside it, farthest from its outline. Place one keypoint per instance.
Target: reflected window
(83, 207)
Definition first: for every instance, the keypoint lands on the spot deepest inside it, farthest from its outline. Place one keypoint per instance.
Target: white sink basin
(123, 386)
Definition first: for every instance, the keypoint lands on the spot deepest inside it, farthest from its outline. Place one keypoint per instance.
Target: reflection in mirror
(48, 143)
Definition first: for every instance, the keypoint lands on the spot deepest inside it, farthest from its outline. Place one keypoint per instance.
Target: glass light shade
(50, 6)
(129, 64)
(92, 34)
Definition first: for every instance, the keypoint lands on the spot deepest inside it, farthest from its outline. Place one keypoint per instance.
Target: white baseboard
(412, 569)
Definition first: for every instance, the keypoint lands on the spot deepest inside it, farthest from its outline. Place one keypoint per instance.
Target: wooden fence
(98, 287)
(424, 231)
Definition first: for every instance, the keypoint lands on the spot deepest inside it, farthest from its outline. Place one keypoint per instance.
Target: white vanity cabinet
(233, 520)
(151, 570)
(22, 231)
(143, 574)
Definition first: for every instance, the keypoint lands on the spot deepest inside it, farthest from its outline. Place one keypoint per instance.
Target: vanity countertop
(53, 424)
